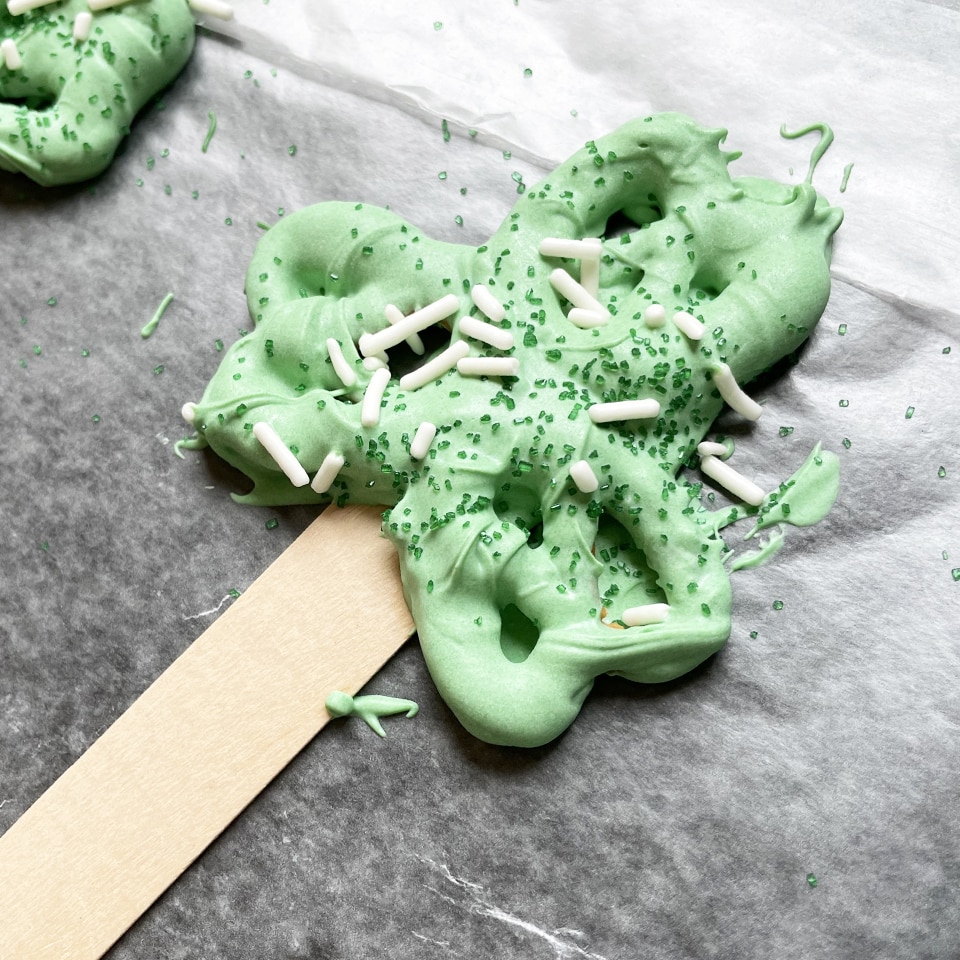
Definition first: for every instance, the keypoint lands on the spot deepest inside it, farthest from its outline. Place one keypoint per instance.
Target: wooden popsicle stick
(120, 825)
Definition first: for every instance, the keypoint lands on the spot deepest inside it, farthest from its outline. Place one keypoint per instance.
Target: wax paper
(797, 794)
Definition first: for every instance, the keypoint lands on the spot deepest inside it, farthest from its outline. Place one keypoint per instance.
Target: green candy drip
(65, 111)
(516, 579)
(369, 708)
(823, 144)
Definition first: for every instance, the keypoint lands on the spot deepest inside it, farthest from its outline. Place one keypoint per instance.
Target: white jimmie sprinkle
(486, 332)
(623, 410)
(216, 8)
(422, 440)
(11, 55)
(487, 303)
(435, 368)
(488, 366)
(688, 325)
(566, 286)
(587, 319)
(585, 479)
(373, 397)
(733, 482)
(654, 316)
(81, 25)
(590, 276)
(432, 313)
(16, 7)
(331, 466)
(648, 613)
(587, 249)
(710, 448)
(281, 453)
(341, 367)
(96, 5)
(394, 315)
(732, 393)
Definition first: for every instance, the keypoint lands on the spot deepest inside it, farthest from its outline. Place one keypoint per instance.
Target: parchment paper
(670, 822)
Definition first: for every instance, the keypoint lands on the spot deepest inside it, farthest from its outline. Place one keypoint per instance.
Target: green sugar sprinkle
(909, 413)
(211, 130)
(272, 523)
(151, 324)
(811, 880)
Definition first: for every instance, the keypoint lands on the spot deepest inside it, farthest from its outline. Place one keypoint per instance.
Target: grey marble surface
(670, 822)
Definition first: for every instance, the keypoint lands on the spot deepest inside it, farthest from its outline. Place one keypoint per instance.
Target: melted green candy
(64, 112)
(516, 577)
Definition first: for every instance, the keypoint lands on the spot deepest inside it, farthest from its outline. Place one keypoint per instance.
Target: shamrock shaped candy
(531, 460)
(73, 75)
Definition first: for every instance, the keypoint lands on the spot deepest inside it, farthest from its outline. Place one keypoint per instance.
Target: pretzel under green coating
(65, 109)
(516, 566)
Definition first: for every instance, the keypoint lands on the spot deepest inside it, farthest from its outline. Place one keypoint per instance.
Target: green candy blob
(64, 112)
(516, 578)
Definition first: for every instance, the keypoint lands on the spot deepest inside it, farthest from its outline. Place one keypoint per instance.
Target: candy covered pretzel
(531, 461)
(74, 73)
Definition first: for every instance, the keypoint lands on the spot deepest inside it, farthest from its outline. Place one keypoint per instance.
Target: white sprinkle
(566, 286)
(432, 313)
(655, 315)
(81, 25)
(478, 330)
(590, 276)
(587, 319)
(373, 363)
(623, 410)
(710, 448)
(373, 396)
(281, 454)
(96, 5)
(488, 366)
(422, 440)
(16, 7)
(689, 325)
(435, 368)
(341, 367)
(395, 315)
(648, 613)
(216, 8)
(324, 477)
(11, 55)
(734, 482)
(730, 390)
(487, 303)
(585, 479)
(587, 249)
(189, 412)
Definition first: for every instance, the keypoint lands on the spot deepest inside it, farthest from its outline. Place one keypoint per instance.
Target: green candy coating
(64, 112)
(511, 572)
